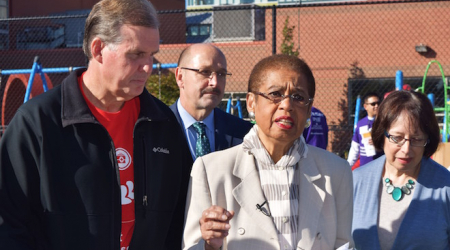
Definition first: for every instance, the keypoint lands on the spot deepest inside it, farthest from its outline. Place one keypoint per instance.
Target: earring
(308, 123)
(251, 115)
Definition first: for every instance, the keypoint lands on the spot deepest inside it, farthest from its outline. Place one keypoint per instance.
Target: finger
(215, 213)
(230, 214)
(214, 226)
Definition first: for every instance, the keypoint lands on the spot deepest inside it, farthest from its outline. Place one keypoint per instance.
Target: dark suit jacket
(229, 129)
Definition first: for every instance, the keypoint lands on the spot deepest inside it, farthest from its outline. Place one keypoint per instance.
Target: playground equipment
(28, 83)
(445, 110)
(398, 86)
(357, 111)
(20, 82)
(399, 80)
(24, 78)
(237, 106)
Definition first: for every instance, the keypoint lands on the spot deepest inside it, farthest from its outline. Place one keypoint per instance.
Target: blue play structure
(399, 80)
(38, 69)
(237, 106)
(445, 111)
(357, 111)
(441, 111)
(398, 86)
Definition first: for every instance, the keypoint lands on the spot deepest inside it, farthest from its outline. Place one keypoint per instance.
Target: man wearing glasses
(362, 145)
(201, 76)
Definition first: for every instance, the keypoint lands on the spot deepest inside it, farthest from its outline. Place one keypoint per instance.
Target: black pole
(274, 30)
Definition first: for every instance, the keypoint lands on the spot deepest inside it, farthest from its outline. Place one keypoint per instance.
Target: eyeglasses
(373, 103)
(276, 97)
(209, 73)
(400, 140)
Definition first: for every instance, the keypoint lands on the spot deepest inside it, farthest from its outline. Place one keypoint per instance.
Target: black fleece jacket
(59, 181)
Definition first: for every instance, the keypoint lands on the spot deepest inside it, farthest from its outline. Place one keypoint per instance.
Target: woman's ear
(250, 102)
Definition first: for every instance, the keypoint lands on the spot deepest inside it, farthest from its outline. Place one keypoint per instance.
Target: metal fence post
(274, 29)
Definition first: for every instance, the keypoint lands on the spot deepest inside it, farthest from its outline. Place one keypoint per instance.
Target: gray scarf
(253, 145)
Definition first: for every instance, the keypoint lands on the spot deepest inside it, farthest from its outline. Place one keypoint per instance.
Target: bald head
(187, 54)
(201, 77)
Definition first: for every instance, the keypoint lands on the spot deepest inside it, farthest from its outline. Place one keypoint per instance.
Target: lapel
(249, 192)
(370, 202)
(374, 201)
(222, 139)
(311, 197)
(174, 109)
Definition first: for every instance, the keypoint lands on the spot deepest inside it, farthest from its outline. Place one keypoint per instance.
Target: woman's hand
(214, 226)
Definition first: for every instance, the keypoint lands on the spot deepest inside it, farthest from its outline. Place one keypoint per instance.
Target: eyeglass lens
(413, 142)
(298, 99)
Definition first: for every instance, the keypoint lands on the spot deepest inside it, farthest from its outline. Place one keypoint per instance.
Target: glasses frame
(282, 98)
(403, 141)
(211, 75)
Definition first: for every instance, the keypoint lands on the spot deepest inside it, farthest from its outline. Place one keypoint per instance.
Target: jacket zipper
(144, 199)
(116, 170)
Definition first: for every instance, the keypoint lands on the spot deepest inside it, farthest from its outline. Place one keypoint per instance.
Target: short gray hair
(108, 16)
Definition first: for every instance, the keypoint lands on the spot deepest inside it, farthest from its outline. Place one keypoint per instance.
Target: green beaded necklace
(397, 192)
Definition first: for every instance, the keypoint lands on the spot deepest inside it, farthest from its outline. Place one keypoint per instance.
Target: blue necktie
(202, 147)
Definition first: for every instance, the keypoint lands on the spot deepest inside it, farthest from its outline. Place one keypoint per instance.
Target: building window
(205, 30)
(200, 2)
(199, 30)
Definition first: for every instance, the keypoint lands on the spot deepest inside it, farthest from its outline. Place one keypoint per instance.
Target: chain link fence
(352, 48)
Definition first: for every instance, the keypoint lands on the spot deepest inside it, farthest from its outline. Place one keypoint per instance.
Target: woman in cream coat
(272, 191)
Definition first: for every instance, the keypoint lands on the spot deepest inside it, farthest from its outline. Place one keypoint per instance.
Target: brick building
(352, 48)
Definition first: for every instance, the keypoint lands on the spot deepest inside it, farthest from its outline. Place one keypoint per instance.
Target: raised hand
(214, 226)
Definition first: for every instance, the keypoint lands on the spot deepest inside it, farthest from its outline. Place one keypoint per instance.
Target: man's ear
(179, 77)
(97, 46)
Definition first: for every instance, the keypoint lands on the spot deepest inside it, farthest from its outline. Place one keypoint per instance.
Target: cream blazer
(230, 179)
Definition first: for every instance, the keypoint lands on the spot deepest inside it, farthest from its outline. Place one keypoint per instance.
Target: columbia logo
(161, 150)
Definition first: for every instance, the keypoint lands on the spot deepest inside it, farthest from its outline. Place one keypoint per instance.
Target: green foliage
(169, 88)
(287, 46)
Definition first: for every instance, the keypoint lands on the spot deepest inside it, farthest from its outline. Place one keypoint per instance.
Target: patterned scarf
(280, 185)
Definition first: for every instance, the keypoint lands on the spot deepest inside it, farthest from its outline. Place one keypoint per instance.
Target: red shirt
(120, 127)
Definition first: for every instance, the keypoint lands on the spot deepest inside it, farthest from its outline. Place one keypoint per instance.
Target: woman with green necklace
(402, 199)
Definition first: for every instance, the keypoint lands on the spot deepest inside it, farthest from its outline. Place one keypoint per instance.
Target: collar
(188, 120)
(75, 110)
(253, 145)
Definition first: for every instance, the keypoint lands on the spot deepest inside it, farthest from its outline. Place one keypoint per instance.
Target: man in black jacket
(97, 162)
